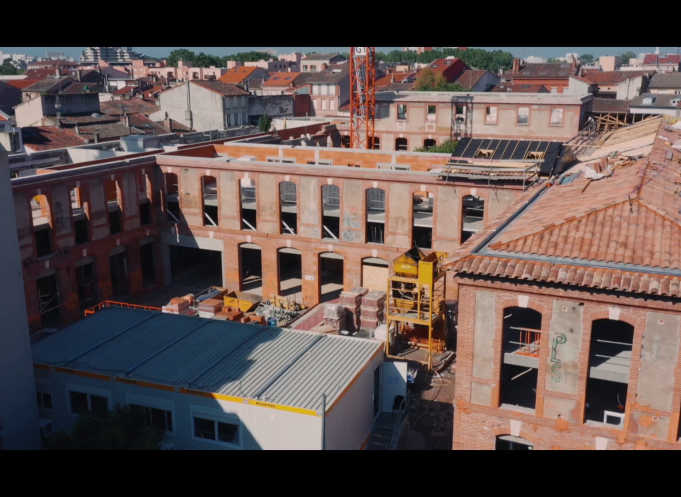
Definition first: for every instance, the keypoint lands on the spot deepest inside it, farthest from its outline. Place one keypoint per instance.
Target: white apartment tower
(112, 55)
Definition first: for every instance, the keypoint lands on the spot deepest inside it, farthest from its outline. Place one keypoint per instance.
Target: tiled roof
(237, 74)
(39, 74)
(110, 131)
(660, 100)
(41, 138)
(622, 232)
(613, 77)
(2, 117)
(662, 59)
(439, 66)
(75, 88)
(543, 71)
(173, 126)
(506, 88)
(332, 74)
(112, 73)
(281, 79)
(397, 87)
(469, 78)
(46, 84)
(255, 83)
(663, 80)
(21, 83)
(54, 63)
(399, 77)
(125, 90)
(147, 126)
(610, 105)
(221, 88)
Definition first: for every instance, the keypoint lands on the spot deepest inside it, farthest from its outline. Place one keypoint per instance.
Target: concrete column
(167, 274)
(99, 214)
(229, 201)
(103, 268)
(398, 214)
(353, 213)
(22, 211)
(270, 272)
(311, 207)
(130, 203)
(311, 278)
(352, 269)
(191, 196)
(231, 277)
(268, 204)
(69, 295)
(62, 218)
(447, 233)
(135, 279)
(18, 409)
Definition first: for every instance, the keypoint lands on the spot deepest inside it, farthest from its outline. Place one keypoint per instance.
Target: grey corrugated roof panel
(185, 360)
(286, 367)
(124, 352)
(328, 368)
(245, 373)
(83, 335)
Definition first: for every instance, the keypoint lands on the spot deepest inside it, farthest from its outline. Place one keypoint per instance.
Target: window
(402, 112)
(556, 117)
(554, 89)
(315, 104)
(325, 89)
(243, 101)
(523, 115)
(236, 101)
(44, 400)
(332, 104)
(332, 89)
(159, 418)
(216, 431)
(491, 115)
(86, 402)
(432, 109)
(228, 103)
(325, 105)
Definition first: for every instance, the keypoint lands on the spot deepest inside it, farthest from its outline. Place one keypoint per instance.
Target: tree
(123, 428)
(553, 60)
(627, 56)
(204, 60)
(180, 55)
(264, 123)
(7, 69)
(427, 81)
(587, 58)
(446, 147)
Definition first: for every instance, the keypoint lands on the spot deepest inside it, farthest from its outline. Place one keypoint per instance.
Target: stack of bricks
(210, 308)
(352, 302)
(177, 306)
(373, 310)
(253, 319)
(334, 316)
(230, 314)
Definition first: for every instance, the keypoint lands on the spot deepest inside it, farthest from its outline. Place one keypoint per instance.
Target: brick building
(257, 217)
(569, 318)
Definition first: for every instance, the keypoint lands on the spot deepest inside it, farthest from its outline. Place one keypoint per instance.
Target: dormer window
(676, 101)
(649, 101)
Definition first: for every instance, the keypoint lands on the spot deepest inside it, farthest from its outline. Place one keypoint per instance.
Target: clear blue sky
(518, 51)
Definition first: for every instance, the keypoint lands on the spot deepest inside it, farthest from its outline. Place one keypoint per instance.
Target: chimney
(77, 129)
(516, 65)
(78, 72)
(96, 137)
(127, 120)
(56, 72)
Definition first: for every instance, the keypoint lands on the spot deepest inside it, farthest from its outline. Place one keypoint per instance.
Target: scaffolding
(416, 304)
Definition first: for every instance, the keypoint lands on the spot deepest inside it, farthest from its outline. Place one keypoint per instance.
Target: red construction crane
(362, 97)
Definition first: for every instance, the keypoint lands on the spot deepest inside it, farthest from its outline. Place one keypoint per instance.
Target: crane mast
(362, 97)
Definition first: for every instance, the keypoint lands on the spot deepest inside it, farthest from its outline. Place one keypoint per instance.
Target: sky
(517, 51)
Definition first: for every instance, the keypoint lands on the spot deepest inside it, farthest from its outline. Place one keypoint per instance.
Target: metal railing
(111, 303)
(397, 428)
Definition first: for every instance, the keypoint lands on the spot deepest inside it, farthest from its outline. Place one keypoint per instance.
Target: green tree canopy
(180, 55)
(627, 56)
(446, 147)
(553, 60)
(427, 81)
(264, 123)
(476, 58)
(123, 428)
(7, 69)
(587, 58)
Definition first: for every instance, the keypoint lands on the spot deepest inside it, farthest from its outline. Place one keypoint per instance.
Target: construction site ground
(431, 413)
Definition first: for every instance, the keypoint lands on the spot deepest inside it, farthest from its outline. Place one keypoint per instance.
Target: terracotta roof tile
(469, 78)
(627, 223)
(610, 105)
(613, 77)
(21, 83)
(221, 88)
(237, 74)
(39, 138)
(281, 79)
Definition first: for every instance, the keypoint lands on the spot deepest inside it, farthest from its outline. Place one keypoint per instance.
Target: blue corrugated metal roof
(286, 367)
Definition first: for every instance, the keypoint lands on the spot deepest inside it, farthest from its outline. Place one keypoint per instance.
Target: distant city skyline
(545, 52)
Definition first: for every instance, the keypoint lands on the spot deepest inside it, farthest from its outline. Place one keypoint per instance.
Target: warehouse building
(214, 385)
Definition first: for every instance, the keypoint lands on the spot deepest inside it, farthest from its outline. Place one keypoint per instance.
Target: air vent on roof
(449, 62)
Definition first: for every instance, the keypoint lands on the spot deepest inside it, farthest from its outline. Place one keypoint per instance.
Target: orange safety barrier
(110, 303)
(531, 342)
